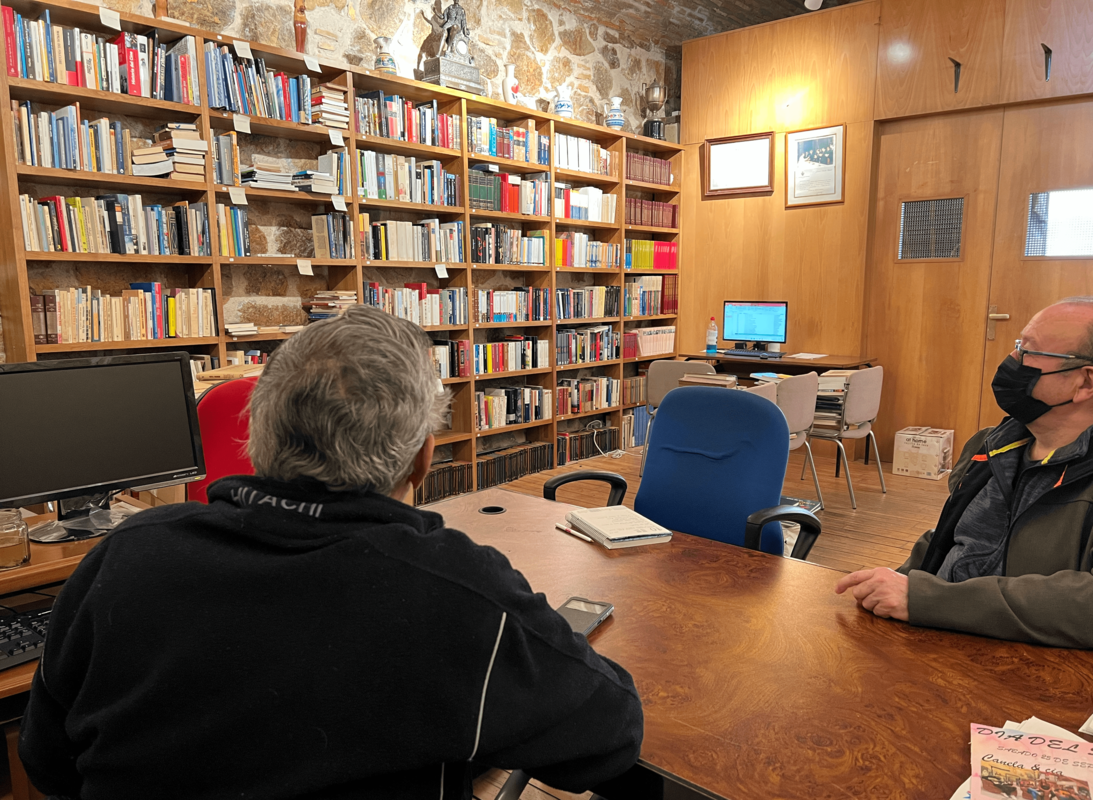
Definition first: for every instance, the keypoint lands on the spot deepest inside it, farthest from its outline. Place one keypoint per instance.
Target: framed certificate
(738, 165)
(815, 166)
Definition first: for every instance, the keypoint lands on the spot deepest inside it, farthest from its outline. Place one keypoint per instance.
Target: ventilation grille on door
(931, 228)
(1060, 223)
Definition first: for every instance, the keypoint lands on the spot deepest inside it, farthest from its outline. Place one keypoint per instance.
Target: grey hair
(348, 401)
(1086, 349)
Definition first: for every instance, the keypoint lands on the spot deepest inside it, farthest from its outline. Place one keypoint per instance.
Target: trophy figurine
(453, 65)
(655, 95)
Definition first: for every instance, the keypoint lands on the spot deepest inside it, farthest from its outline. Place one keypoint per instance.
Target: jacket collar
(1011, 435)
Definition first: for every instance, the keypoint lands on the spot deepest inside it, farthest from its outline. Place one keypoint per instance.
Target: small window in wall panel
(931, 228)
(1060, 223)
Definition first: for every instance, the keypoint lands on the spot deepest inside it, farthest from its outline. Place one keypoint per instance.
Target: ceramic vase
(613, 116)
(385, 62)
(563, 103)
(509, 85)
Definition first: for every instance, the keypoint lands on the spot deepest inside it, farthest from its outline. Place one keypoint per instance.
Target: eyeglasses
(1022, 352)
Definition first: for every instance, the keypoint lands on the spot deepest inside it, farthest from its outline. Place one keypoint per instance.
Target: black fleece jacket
(286, 641)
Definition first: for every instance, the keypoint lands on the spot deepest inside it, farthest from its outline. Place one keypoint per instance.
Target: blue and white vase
(563, 103)
(613, 116)
(385, 62)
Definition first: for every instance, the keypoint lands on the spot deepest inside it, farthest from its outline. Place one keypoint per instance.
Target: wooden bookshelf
(207, 271)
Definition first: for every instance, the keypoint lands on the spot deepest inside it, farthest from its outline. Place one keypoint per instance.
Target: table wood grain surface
(759, 682)
(792, 365)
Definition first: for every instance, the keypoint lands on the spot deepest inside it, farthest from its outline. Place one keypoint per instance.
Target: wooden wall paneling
(1041, 151)
(917, 40)
(1066, 27)
(925, 319)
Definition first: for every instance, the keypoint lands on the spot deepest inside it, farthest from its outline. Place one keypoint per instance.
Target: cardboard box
(923, 453)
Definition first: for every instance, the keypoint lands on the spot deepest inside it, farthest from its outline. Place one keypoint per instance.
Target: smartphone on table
(584, 615)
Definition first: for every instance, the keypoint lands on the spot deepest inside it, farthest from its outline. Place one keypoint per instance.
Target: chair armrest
(810, 527)
(514, 785)
(616, 481)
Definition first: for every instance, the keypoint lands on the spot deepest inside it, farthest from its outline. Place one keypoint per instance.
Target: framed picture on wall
(815, 166)
(738, 165)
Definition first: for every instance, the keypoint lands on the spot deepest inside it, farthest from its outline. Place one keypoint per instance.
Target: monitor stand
(759, 347)
(80, 518)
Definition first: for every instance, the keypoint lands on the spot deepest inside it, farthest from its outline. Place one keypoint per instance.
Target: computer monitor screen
(92, 425)
(754, 322)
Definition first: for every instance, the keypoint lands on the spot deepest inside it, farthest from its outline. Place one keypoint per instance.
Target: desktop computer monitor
(754, 322)
(93, 426)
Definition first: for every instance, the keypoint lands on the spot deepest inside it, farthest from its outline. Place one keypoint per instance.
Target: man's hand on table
(882, 591)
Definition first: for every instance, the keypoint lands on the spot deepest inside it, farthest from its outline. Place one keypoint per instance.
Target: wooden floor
(879, 533)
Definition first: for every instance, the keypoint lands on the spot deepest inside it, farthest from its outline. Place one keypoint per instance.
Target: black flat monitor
(754, 322)
(93, 426)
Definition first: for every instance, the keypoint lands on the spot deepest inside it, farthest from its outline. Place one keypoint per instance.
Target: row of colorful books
(124, 63)
(452, 358)
(577, 249)
(144, 311)
(584, 155)
(651, 212)
(587, 203)
(328, 303)
(588, 302)
(332, 235)
(390, 116)
(386, 176)
(587, 345)
(418, 303)
(486, 136)
(496, 243)
(512, 194)
(651, 294)
(650, 254)
(510, 354)
(400, 240)
(511, 405)
(577, 395)
(521, 304)
(645, 342)
(233, 224)
(247, 86)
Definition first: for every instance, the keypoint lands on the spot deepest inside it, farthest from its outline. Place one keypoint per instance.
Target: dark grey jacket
(1045, 593)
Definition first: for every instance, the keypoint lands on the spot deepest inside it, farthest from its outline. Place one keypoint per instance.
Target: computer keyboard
(763, 354)
(23, 637)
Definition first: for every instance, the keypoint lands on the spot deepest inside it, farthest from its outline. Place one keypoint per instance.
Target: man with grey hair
(1012, 554)
(308, 634)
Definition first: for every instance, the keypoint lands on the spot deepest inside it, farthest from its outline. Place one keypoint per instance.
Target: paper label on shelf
(242, 49)
(442, 270)
(110, 18)
(238, 195)
(493, 167)
(304, 265)
(312, 63)
(241, 122)
(339, 202)
(336, 137)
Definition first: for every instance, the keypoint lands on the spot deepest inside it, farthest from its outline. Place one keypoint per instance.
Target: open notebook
(617, 526)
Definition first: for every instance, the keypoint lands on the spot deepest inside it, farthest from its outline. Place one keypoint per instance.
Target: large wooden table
(760, 682)
(788, 366)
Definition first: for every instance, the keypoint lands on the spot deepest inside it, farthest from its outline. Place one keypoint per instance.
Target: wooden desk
(760, 682)
(789, 366)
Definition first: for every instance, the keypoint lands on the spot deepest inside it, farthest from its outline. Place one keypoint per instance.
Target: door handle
(992, 317)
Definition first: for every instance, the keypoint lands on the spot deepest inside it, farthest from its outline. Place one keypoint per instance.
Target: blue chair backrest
(716, 456)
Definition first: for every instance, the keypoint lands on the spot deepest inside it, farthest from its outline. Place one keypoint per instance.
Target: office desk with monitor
(760, 682)
(789, 366)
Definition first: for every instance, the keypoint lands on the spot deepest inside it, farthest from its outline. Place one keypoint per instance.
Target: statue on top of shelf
(453, 64)
(299, 24)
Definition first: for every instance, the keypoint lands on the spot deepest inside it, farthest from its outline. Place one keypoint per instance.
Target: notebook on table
(617, 526)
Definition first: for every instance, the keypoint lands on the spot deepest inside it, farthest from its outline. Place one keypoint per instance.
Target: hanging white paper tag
(312, 63)
(304, 265)
(242, 49)
(339, 202)
(441, 271)
(241, 122)
(336, 137)
(110, 18)
(238, 195)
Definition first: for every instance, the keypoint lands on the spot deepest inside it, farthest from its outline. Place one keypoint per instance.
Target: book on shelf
(115, 223)
(512, 194)
(521, 304)
(587, 345)
(627, 431)
(577, 249)
(328, 106)
(61, 139)
(633, 391)
(579, 445)
(419, 303)
(501, 406)
(511, 354)
(393, 117)
(644, 342)
(512, 463)
(245, 358)
(144, 311)
(267, 173)
(247, 86)
(486, 137)
(333, 235)
(576, 395)
(587, 302)
(452, 359)
(328, 303)
(407, 179)
(400, 240)
(240, 329)
(498, 243)
(233, 225)
(648, 169)
(651, 213)
(617, 526)
(444, 480)
(138, 65)
(651, 294)
(650, 254)
(177, 152)
(587, 203)
(226, 169)
(583, 155)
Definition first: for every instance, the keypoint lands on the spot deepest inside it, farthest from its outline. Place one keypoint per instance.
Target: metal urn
(655, 96)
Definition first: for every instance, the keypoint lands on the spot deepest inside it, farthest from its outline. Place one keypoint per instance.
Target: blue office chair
(717, 459)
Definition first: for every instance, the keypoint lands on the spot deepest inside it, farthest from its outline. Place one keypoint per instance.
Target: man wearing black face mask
(1011, 556)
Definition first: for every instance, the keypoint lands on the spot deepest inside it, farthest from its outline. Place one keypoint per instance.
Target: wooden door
(924, 318)
(1044, 148)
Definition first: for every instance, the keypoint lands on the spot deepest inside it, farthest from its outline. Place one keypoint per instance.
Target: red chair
(223, 414)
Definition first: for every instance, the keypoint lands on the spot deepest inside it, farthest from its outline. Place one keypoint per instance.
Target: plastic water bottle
(711, 337)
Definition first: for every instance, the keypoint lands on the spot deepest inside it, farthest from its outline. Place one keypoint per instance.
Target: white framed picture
(815, 166)
(738, 165)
